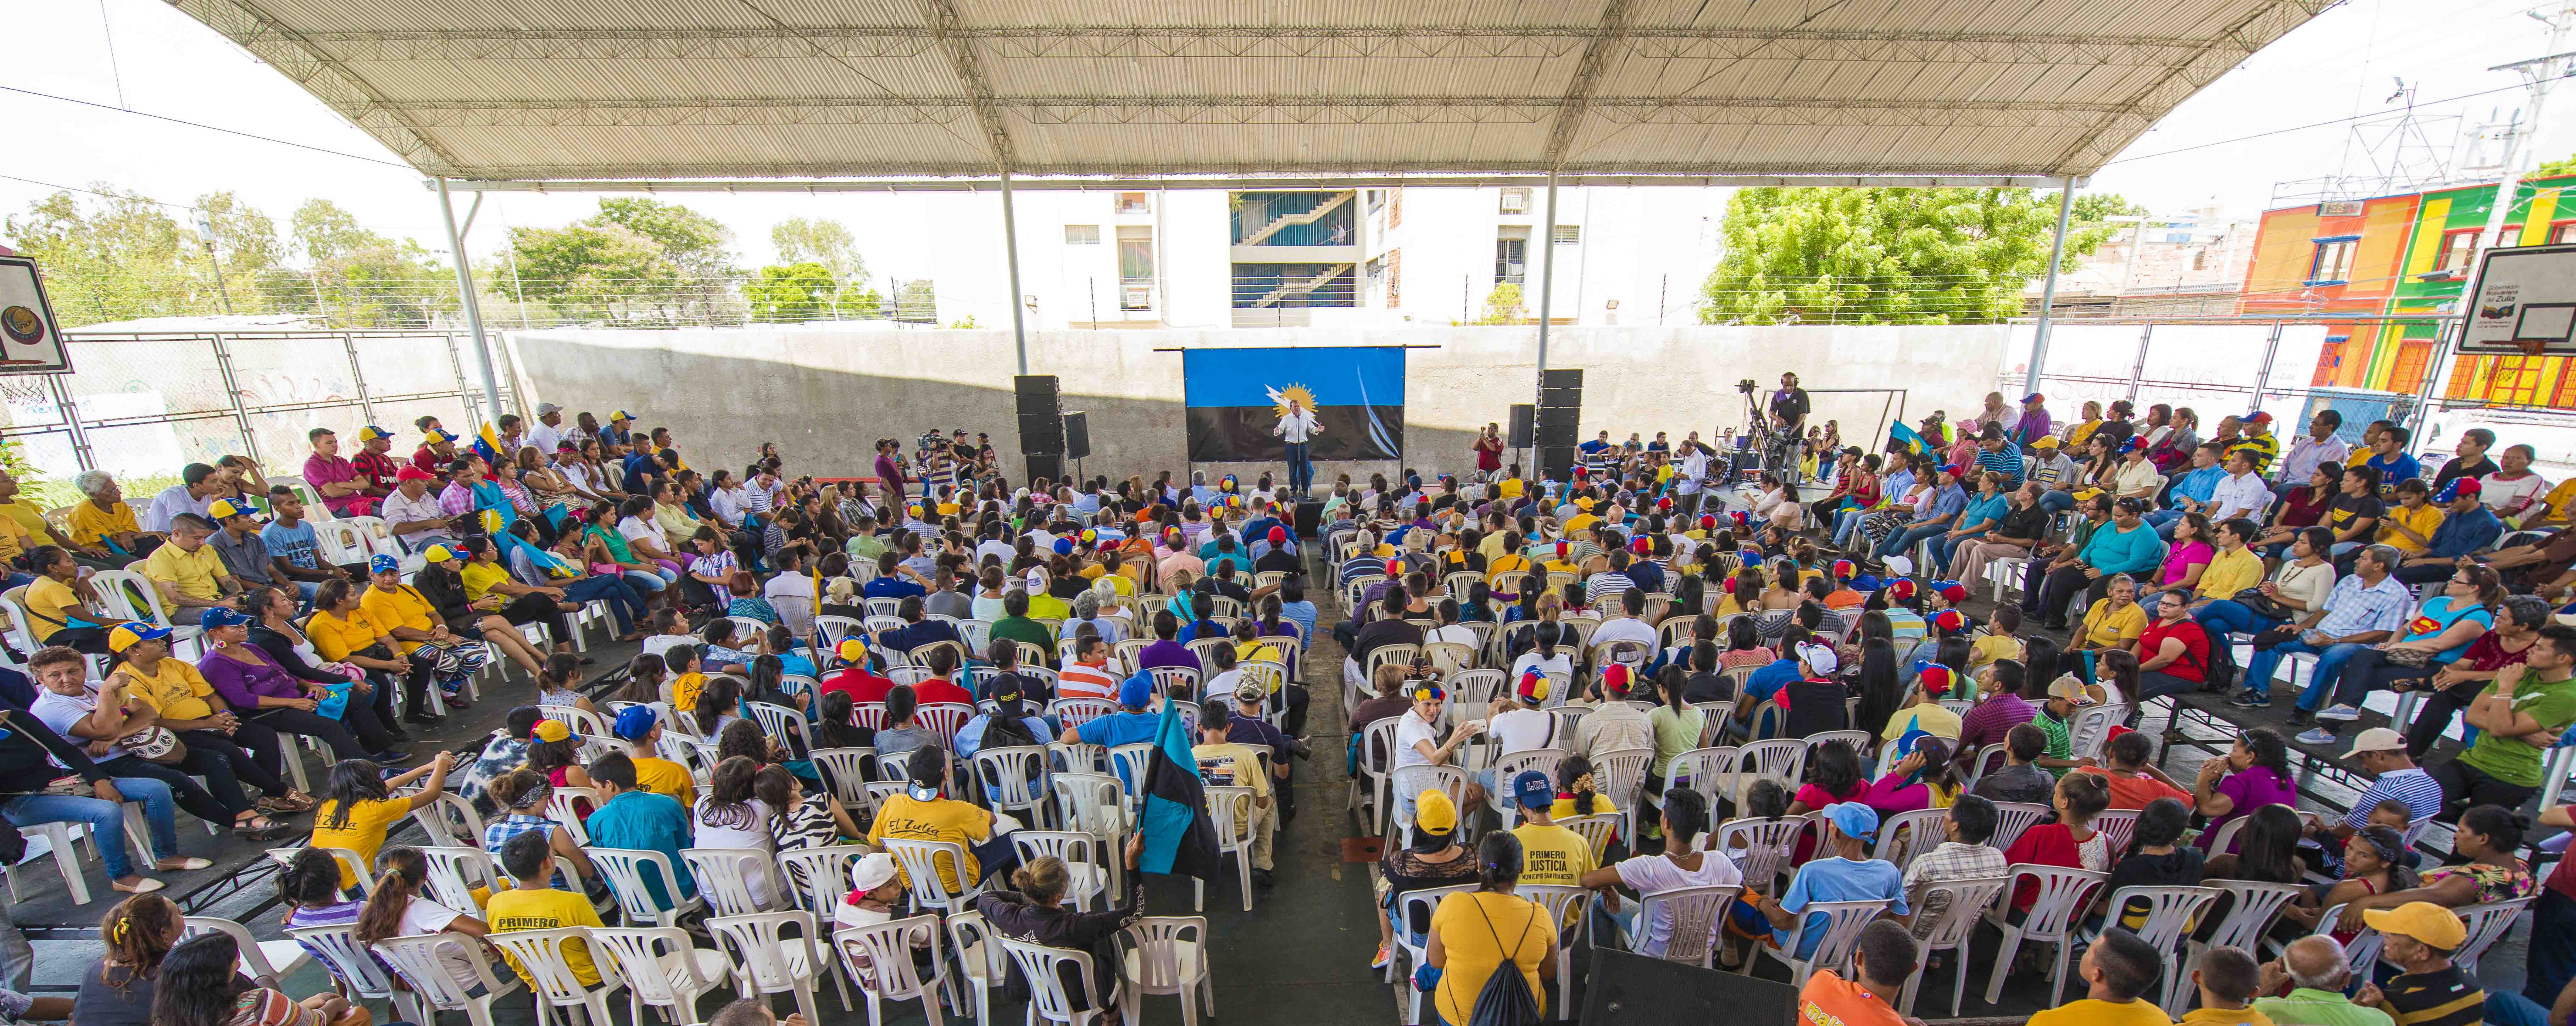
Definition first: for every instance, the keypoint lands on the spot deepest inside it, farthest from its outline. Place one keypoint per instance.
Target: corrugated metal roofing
(552, 89)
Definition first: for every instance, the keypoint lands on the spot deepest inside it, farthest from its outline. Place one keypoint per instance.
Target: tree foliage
(1504, 305)
(122, 256)
(1884, 256)
(358, 277)
(637, 259)
(821, 241)
(2553, 168)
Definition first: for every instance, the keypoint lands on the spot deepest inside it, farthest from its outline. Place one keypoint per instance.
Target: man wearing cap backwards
(2468, 528)
(2429, 991)
(189, 573)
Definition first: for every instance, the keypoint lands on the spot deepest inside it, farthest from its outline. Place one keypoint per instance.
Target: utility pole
(206, 234)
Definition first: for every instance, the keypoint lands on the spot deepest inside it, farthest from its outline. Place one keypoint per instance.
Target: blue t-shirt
(1120, 728)
(299, 545)
(893, 588)
(1768, 681)
(1839, 879)
(650, 822)
(2438, 615)
(2403, 468)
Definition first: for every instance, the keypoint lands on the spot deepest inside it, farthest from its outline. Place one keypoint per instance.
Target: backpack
(1505, 1000)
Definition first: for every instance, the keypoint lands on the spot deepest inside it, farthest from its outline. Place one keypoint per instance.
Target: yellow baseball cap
(551, 730)
(438, 554)
(620, 415)
(127, 635)
(852, 650)
(1434, 813)
(371, 432)
(2424, 921)
(225, 509)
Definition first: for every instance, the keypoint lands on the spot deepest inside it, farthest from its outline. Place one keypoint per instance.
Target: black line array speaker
(1041, 416)
(1560, 411)
(1045, 464)
(1634, 988)
(1524, 426)
(1310, 519)
(1556, 462)
(1077, 435)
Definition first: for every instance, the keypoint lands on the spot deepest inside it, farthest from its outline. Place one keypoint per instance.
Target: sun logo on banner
(1279, 398)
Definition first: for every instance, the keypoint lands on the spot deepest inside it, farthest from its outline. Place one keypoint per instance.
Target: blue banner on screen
(1236, 396)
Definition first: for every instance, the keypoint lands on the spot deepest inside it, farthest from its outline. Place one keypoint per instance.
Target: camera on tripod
(1746, 386)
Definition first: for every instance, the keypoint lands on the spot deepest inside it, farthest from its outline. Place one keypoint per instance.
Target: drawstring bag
(1506, 999)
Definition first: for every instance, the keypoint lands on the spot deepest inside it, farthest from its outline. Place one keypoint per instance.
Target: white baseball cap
(1819, 657)
(871, 872)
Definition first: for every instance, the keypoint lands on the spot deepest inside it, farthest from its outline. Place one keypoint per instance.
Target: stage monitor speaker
(1037, 393)
(1310, 519)
(1077, 435)
(1624, 987)
(1524, 426)
(1045, 464)
(1556, 462)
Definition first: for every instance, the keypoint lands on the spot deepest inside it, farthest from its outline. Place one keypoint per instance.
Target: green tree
(819, 240)
(791, 292)
(117, 257)
(358, 277)
(858, 303)
(916, 302)
(2553, 168)
(1504, 305)
(1883, 256)
(594, 271)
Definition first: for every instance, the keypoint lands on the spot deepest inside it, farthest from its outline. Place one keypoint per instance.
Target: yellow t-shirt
(364, 834)
(1503, 572)
(2102, 627)
(52, 603)
(196, 573)
(335, 637)
(90, 523)
(1247, 651)
(2557, 501)
(1931, 719)
(1553, 855)
(548, 909)
(684, 691)
(1478, 930)
(1509, 488)
(2422, 520)
(402, 607)
(905, 818)
(30, 520)
(2231, 572)
(2360, 454)
(1990, 647)
(2089, 1012)
(480, 577)
(662, 776)
(1580, 521)
(175, 690)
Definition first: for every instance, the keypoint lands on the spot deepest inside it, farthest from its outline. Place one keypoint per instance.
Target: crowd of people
(1661, 598)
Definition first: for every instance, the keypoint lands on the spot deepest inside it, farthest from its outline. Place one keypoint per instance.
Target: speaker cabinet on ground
(1626, 988)
(1041, 415)
(1045, 464)
(1556, 461)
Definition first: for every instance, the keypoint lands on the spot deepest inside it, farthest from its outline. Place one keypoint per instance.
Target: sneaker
(2345, 713)
(1384, 956)
(2319, 735)
(2301, 717)
(2246, 699)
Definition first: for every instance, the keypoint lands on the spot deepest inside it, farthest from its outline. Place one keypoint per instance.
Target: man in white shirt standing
(1687, 477)
(2242, 493)
(1298, 427)
(2319, 445)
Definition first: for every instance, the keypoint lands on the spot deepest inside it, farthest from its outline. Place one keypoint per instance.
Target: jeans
(1847, 524)
(623, 602)
(1943, 546)
(2329, 669)
(1301, 467)
(2505, 1008)
(2425, 574)
(2371, 671)
(2056, 502)
(2154, 683)
(2161, 520)
(105, 820)
(2464, 785)
(1899, 542)
(2227, 616)
(650, 584)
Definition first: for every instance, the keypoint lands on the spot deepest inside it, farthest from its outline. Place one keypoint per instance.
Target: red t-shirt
(936, 690)
(2193, 665)
(864, 687)
(2048, 844)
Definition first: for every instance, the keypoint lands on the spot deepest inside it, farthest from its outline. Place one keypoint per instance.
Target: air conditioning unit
(1138, 297)
(1515, 201)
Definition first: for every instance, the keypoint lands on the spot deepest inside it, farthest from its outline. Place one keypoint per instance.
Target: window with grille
(1569, 234)
(2330, 360)
(2408, 375)
(1516, 201)
(2563, 231)
(2515, 380)
(1511, 258)
(1082, 235)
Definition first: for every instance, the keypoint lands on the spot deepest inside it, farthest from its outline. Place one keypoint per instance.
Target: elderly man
(2033, 423)
(413, 514)
(344, 490)
(195, 491)
(188, 572)
(2364, 609)
(103, 526)
(547, 432)
(2313, 966)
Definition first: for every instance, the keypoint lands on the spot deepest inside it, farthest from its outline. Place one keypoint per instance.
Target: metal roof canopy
(1878, 92)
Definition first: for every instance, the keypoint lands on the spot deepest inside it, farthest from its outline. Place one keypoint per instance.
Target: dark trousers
(1293, 721)
(2434, 716)
(84, 640)
(2553, 948)
(2371, 671)
(2153, 683)
(2423, 574)
(2063, 586)
(355, 735)
(218, 807)
(2464, 786)
(527, 609)
(246, 766)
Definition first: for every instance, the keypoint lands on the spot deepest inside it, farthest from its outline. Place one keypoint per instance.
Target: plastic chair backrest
(580, 720)
(735, 881)
(1781, 759)
(2170, 911)
(653, 960)
(625, 869)
(2011, 818)
(2092, 727)
(1595, 829)
(1709, 771)
(757, 945)
(1695, 913)
(1766, 845)
(1039, 964)
(972, 936)
(820, 876)
(350, 962)
(560, 808)
(1129, 761)
(453, 872)
(1844, 921)
(2488, 921)
(888, 949)
(451, 820)
(1094, 803)
(1623, 774)
(1448, 780)
(2116, 827)
(1905, 836)
(2064, 895)
(2251, 913)
(921, 860)
(541, 961)
(1159, 946)
(419, 962)
(1074, 712)
(845, 769)
(944, 719)
(1958, 922)
(1014, 776)
(253, 962)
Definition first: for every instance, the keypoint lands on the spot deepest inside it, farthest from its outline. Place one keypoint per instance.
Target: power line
(94, 192)
(211, 128)
(2319, 124)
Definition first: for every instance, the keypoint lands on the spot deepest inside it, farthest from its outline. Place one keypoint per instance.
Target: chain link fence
(142, 405)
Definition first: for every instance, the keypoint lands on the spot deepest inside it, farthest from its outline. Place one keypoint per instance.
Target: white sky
(166, 63)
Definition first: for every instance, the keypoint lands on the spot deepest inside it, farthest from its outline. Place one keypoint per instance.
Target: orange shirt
(1830, 1000)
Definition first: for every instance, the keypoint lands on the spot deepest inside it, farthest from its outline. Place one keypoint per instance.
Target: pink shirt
(319, 471)
(2179, 561)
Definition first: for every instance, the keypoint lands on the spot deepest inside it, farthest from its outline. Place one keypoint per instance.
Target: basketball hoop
(2532, 346)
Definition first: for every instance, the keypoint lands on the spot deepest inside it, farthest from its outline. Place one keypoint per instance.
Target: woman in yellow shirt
(342, 632)
(102, 524)
(2410, 524)
(358, 806)
(1474, 934)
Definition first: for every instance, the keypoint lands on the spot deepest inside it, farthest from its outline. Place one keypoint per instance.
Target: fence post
(464, 392)
(232, 394)
(2139, 370)
(71, 422)
(2271, 348)
(366, 405)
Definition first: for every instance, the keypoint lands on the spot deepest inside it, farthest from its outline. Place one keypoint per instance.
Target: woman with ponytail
(202, 986)
(120, 987)
(358, 806)
(1033, 910)
(1924, 779)
(1474, 935)
(396, 908)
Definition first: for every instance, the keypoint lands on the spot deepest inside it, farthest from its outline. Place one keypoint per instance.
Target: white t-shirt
(1409, 731)
(1522, 730)
(424, 917)
(1693, 468)
(755, 836)
(60, 711)
(659, 644)
(2500, 494)
(1561, 667)
(1452, 633)
(793, 596)
(1624, 628)
(1647, 874)
(638, 529)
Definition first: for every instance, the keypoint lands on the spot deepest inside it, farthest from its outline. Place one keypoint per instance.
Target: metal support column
(366, 405)
(464, 392)
(2434, 376)
(1546, 292)
(2271, 349)
(473, 308)
(2139, 369)
(232, 394)
(81, 453)
(2048, 289)
(1011, 253)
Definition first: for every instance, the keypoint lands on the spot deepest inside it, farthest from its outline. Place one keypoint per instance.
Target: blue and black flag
(1179, 838)
(1235, 397)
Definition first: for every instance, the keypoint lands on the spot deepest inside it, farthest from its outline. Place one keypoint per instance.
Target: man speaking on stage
(1297, 427)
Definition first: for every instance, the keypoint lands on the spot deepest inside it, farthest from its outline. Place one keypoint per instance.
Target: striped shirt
(2415, 787)
(2447, 997)
(2354, 607)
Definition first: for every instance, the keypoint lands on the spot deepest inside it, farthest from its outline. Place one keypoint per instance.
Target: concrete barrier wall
(825, 395)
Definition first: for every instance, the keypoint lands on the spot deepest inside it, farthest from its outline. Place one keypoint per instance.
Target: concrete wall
(824, 396)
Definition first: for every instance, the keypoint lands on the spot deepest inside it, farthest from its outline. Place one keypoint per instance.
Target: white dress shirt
(1298, 427)
(2240, 495)
(2306, 452)
(173, 501)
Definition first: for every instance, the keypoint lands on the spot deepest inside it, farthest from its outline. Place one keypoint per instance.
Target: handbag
(2263, 605)
(2413, 658)
(156, 745)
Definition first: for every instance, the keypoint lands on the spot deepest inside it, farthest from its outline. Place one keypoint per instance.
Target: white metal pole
(1546, 285)
(1011, 253)
(2048, 290)
(473, 309)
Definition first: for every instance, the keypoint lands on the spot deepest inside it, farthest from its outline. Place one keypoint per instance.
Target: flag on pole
(1901, 437)
(488, 446)
(1179, 838)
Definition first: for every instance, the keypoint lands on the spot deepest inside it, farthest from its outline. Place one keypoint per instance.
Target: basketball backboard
(33, 344)
(2522, 303)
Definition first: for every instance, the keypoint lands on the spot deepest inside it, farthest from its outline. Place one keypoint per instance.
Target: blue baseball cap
(1853, 819)
(1532, 791)
(634, 721)
(221, 616)
(1137, 692)
(383, 564)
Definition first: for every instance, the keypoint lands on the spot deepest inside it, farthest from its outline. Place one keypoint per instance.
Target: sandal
(288, 802)
(262, 829)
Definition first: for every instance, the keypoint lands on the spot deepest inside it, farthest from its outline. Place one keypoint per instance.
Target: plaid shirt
(2355, 607)
(1951, 861)
(499, 832)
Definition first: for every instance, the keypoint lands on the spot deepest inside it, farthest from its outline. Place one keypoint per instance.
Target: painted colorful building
(2397, 255)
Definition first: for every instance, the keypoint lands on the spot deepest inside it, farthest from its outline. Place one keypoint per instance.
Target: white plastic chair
(1766, 846)
(625, 870)
(1499, 797)
(418, 961)
(1566, 908)
(1086, 879)
(451, 821)
(1780, 759)
(1166, 955)
(846, 771)
(1844, 921)
(1709, 771)
(921, 860)
(1074, 712)
(1956, 926)
(980, 961)
(1231, 811)
(735, 881)
(1596, 830)
(1371, 786)
(560, 808)
(1047, 998)
(355, 971)
(454, 871)
(2171, 911)
(2116, 827)
(1014, 779)
(887, 947)
(2251, 911)
(764, 960)
(269, 962)
(541, 961)
(1906, 836)
(2011, 818)
(1696, 913)
(662, 968)
(2064, 896)
(1094, 803)
(2488, 922)
(1413, 780)
(1623, 780)
(1425, 902)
